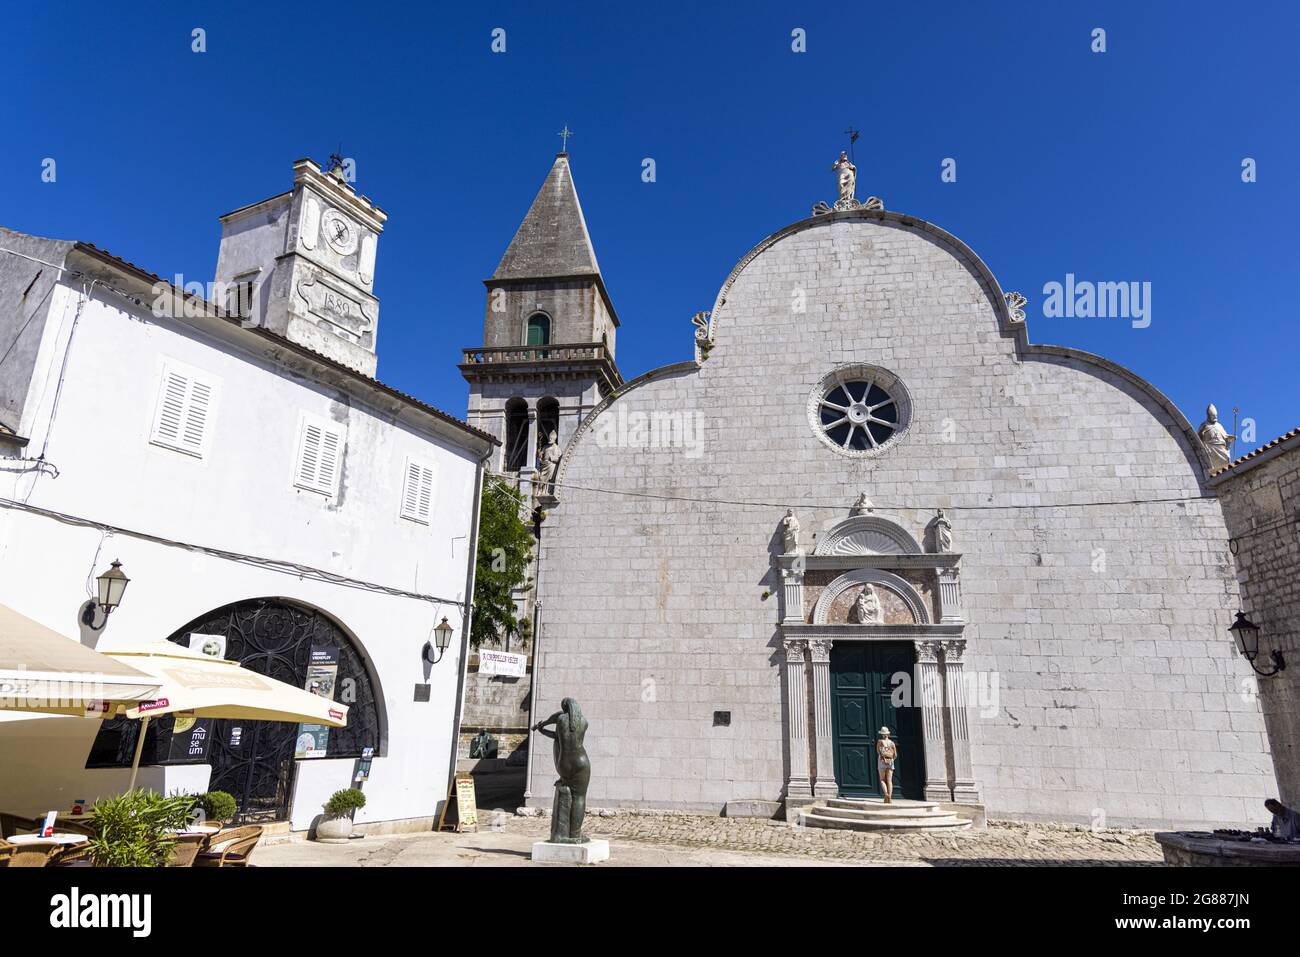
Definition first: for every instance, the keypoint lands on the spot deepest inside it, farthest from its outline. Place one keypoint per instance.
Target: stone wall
(1261, 503)
(1098, 633)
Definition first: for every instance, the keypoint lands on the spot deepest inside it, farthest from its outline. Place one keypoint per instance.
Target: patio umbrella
(44, 672)
(196, 684)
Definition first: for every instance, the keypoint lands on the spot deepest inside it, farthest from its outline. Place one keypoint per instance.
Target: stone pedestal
(593, 852)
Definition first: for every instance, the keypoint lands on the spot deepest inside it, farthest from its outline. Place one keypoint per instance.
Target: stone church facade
(1004, 551)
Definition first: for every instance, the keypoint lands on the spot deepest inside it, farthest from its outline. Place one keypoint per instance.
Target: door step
(873, 814)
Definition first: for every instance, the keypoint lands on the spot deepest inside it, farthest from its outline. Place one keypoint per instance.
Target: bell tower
(549, 331)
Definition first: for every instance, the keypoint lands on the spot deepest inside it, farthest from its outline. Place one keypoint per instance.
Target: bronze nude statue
(574, 768)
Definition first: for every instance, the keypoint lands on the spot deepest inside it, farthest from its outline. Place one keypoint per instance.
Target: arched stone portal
(911, 631)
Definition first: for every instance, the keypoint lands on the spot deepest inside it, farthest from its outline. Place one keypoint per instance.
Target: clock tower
(302, 265)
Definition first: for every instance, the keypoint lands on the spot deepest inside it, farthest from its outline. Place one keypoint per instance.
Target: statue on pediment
(1215, 439)
(790, 532)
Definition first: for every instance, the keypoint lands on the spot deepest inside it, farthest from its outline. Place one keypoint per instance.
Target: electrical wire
(284, 566)
(810, 503)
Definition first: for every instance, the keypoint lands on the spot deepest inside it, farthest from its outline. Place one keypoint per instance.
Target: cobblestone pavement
(674, 839)
(999, 843)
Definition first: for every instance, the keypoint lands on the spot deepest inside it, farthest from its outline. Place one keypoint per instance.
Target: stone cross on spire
(564, 135)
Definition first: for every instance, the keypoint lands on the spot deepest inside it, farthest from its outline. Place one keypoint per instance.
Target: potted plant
(137, 829)
(217, 807)
(336, 827)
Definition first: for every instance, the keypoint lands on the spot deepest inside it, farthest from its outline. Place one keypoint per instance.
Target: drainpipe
(467, 620)
(533, 686)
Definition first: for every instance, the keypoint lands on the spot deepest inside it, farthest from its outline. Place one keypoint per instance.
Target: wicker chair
(231, 848)
(15, 824)
(75, 855)
(31, 855)
(75, 826)
(6, 850)
(188, 847)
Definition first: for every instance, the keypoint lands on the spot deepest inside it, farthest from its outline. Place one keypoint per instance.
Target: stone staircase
(873, 814)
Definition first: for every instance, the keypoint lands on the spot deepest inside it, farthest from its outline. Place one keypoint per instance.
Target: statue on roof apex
(846, 178)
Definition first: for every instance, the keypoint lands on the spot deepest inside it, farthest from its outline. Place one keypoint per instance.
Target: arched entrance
(254, 760)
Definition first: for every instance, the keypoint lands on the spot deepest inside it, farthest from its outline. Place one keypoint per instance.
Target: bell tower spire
(549, 331)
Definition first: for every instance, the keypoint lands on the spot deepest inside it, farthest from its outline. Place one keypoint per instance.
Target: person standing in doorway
(886, 754)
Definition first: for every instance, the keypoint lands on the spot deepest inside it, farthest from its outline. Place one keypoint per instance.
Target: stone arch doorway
(254, 760)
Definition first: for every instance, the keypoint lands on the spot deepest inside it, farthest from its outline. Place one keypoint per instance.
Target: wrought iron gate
(254, 760)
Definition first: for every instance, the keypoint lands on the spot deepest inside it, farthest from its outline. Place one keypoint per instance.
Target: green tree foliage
(505, 549)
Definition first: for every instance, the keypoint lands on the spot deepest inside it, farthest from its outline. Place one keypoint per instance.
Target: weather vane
(853, 138)
(564, 135)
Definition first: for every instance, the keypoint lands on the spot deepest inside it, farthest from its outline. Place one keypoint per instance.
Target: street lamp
(442, 636)
(111, 585)
(1246, 634)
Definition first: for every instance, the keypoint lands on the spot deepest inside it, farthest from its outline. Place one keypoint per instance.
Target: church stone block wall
(1104, 683)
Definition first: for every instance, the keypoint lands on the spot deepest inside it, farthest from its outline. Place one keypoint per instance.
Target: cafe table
(58, 837)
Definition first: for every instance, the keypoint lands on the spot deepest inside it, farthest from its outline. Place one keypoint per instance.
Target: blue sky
(1120, 166)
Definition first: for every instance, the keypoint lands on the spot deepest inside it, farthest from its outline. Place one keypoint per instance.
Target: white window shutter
(417, 492)
(185, 403)
(196, 416)
(320, 455)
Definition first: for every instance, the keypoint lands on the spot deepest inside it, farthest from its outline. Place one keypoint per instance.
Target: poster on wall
(322, 673)
(190, 739)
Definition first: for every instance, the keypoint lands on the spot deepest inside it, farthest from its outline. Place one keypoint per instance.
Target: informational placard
(460, 810)
(363, 766)
(322, 673)
(502, 663)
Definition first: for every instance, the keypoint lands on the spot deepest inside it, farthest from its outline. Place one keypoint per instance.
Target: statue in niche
(1215, 439)
(942, 532)
(886, 755)
(861, 505)
(574, 769)
(549, 462)
(867, 608)
(790, 532)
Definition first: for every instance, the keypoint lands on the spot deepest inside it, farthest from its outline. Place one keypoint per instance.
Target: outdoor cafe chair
(6, 849)
(230, 848)
(31, 855)
(16, 824)
(187, 848)
(77, 827)
(77, 855)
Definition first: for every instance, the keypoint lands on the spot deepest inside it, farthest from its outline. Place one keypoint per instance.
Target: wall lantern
(441, 635)
(1246, 634)
(111, 585)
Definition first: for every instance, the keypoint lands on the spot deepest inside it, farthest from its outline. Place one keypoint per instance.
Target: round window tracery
(858, 410)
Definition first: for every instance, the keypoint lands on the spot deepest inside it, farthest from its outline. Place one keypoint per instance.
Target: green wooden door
(863, 677)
